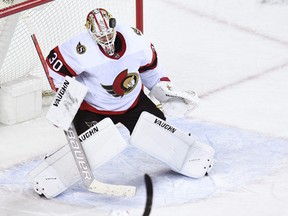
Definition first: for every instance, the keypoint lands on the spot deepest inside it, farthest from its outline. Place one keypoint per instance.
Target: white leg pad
(198, 160)
(179, 150)
(58, 171)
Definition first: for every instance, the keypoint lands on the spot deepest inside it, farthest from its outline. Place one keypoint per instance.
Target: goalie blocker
(177, 149)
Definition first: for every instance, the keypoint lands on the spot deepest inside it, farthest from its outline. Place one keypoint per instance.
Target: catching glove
(171, 97)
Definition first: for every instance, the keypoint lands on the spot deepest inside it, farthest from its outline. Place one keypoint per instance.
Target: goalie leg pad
(58, 171)
(177, 149)
(198, 161)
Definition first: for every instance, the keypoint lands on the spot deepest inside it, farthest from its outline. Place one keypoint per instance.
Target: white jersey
(114, 82)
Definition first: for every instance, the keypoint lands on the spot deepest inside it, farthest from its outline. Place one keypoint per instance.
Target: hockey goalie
(114, 63)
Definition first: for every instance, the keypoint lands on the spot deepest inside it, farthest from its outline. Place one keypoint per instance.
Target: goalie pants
(85, 119)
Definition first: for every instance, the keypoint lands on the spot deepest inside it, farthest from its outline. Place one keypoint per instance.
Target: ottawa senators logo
(123, 84)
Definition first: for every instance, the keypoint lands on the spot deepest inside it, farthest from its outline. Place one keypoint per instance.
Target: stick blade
(112, 190)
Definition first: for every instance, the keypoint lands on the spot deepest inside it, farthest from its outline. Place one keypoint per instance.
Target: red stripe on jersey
(152, 64)
(57, 63)
(88, 107)
(71, 71)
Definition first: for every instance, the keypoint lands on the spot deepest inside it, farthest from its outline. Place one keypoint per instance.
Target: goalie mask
(101, 26)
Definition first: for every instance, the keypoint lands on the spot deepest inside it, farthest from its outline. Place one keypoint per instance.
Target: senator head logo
(123, 84)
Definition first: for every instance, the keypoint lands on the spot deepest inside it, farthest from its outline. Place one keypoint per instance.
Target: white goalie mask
(101, 26)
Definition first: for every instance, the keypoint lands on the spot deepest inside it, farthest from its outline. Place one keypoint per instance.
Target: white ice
(234, 54)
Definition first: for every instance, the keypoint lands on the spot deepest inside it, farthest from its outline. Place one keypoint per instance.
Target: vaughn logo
(165, 125)
(88, 134)
(60, 93)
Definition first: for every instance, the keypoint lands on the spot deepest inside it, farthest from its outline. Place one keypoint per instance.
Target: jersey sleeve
(58, 66)
(150, 71)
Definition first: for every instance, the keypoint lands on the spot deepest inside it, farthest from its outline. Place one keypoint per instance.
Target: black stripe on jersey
(152, 64)
(110, 90)
(56, 62)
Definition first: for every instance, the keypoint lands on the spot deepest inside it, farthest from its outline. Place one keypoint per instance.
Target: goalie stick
(80, 158)
(149, 194)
